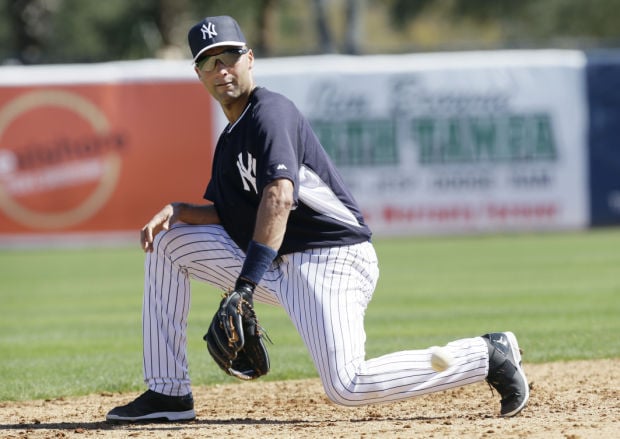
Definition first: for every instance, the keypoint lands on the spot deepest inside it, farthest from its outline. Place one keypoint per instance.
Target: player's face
(226, 73)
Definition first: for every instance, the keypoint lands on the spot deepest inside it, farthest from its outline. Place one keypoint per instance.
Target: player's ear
(250, 55)
(197, 70)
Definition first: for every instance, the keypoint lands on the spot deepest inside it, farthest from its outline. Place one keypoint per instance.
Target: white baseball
(441, 359)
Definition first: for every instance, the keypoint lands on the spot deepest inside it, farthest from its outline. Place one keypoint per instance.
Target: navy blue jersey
(273, 140)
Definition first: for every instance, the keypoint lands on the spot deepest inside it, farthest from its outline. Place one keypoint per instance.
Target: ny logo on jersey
(247, 172)
(208, 30)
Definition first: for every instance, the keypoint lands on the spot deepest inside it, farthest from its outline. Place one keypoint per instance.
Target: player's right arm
(173, 213)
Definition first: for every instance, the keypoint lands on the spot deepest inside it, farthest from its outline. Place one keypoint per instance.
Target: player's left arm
(234, 338)
(273, 212)
(270, 225)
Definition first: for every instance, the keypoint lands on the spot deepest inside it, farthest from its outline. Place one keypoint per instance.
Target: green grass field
(70, 319)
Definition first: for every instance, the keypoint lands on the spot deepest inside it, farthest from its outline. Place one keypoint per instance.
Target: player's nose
(220, 66)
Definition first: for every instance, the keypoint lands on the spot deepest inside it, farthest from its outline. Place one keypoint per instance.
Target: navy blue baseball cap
(214, 32)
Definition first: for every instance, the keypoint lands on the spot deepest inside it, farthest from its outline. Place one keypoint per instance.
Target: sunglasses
(229, 58)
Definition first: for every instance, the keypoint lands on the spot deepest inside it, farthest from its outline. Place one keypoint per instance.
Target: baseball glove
(235, 339)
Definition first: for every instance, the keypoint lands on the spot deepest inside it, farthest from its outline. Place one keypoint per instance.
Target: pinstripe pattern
(325, 293)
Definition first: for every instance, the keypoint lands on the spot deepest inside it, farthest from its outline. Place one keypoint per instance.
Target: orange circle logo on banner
(58, 161)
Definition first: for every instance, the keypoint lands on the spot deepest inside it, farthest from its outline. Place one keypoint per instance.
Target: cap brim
(220, 44)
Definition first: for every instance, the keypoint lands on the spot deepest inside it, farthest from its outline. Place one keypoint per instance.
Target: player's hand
(235, 338)
(161, 221)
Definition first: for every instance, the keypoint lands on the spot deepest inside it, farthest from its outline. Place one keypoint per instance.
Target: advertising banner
(100, 152)
(452, 142)
(428, 143)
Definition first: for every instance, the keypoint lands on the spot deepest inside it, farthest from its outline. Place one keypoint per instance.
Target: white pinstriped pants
(325, 293)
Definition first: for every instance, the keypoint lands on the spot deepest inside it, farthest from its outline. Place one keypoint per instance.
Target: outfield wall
(429, 143)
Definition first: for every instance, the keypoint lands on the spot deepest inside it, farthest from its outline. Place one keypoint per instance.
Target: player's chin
(227, 96)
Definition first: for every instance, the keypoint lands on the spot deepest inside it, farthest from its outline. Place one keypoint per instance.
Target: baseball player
(280, 223)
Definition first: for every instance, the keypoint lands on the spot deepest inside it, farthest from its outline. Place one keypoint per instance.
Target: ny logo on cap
(208, 30)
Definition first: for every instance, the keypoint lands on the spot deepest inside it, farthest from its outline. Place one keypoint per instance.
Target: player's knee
(163, 238)
(344, 393)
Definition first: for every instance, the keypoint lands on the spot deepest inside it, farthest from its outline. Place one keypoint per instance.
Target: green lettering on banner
(484, 137)
(359, 142)
(517, 139)
(504, 138)
(456, 150)
(545, 144)
(424, 131)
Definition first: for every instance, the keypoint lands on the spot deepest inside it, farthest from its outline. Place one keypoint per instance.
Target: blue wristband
(258, 259)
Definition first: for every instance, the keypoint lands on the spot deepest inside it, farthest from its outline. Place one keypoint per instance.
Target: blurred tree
(267, 24)
(29, 23)
(577, 22)
(103, 31)
(326, 43)
(353, 26)
(54, 31)
(525, 23)
(169, 16)
(403, 11)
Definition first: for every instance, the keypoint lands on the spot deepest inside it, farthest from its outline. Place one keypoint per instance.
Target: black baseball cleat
(152, 407)
(506, 373)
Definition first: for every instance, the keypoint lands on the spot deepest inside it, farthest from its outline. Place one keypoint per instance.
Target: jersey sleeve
(280, 151)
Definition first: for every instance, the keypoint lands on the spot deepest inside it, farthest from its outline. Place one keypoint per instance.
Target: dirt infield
(568, 400)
